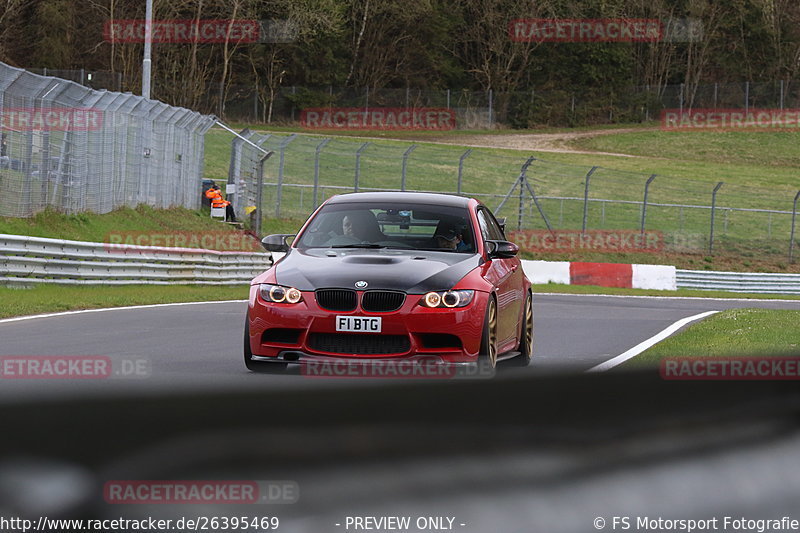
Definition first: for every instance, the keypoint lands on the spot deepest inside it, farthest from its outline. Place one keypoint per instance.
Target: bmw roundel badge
(361, 284)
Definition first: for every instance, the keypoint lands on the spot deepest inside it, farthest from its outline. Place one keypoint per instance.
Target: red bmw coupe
(392, 276)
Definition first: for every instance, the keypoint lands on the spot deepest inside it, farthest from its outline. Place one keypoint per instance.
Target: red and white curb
(628, 276)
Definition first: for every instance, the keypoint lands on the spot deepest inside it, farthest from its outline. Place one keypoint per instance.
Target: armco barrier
(659, 277)
(29, 260)
(739, 281)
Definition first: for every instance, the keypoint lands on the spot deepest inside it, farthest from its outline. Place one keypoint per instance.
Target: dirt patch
(536, 142)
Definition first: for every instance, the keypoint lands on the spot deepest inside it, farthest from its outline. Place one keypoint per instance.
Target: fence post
(448, 98)
(520, 180)
(782, 89)
(260, 192)
(586, 199)
(235, 164)
(794, 217)
(317, 153)
(461, 169)
(746, 97)
(521, 208)
(536, 200)
(358, 165)
(405, 164)
(680, 98)
(716, 89)
(491, 110)
(713, 210)
(279, 197)
(644, 202)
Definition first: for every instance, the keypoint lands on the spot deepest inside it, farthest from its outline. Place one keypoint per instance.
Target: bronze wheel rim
(529, 327)
(492, 334)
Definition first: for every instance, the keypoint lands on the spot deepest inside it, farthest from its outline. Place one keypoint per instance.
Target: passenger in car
(451, 239)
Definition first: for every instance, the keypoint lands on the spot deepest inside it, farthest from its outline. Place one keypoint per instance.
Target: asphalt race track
(195, 348)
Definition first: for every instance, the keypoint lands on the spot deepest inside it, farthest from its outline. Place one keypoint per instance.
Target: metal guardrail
(739, 281)
(27, 260)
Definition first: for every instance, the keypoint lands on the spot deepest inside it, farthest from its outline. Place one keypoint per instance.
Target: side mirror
(277, 243)
(501, 249)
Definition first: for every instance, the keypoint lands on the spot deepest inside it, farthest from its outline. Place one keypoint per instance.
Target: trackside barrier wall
(739, 282)
(660, 277)
(30, 260)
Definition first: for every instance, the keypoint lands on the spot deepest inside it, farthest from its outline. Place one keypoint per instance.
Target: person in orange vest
(217, 200)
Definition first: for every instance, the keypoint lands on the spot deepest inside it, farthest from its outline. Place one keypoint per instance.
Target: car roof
(448, 200)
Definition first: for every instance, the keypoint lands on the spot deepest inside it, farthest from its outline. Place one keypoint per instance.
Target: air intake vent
(382, 301)
(336, 299)
(359, 343)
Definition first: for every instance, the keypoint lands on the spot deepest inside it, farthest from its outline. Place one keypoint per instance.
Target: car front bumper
(294, 332)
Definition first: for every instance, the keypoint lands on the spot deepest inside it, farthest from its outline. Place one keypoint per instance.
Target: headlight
(279, 294)
(447, 299)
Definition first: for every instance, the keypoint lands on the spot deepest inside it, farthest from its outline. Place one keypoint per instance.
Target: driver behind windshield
(362, 226)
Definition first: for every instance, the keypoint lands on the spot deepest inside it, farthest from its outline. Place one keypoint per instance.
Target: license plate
(358, 324)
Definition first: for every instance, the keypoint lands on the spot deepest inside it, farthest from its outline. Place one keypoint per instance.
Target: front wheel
(489, 338)
(263, 367)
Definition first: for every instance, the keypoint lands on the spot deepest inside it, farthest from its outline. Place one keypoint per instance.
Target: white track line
(642, 346)
(82, 311)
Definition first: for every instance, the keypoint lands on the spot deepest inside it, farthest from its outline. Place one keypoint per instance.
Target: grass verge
(51, 299)
(126, 225)
(735, 332)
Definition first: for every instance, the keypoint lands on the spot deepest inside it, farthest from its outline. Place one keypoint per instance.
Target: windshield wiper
(359, 245)
(437, 250)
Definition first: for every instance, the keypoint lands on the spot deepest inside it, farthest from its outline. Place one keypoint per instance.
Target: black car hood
(412, 271)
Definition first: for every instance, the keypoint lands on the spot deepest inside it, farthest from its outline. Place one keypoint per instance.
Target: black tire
(525, 347)
(489, 337)
(262, 367)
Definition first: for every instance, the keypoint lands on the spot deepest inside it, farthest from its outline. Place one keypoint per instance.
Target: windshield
(414, 226)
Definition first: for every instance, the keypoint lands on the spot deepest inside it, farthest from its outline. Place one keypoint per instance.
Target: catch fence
(690, 216)
(76, 149)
